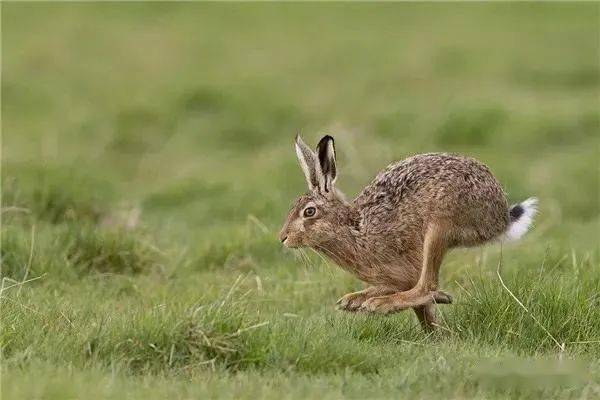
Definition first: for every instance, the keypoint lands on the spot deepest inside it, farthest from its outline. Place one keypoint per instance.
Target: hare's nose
(283, 239)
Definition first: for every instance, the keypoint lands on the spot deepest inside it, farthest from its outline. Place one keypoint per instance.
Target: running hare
(395, 233)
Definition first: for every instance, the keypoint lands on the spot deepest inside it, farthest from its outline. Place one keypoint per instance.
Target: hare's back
(438, 185)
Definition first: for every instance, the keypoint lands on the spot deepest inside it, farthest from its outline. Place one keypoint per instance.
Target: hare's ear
(308, 162)
(326, 153)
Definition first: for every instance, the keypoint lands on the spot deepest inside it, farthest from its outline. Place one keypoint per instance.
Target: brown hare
(394, 235)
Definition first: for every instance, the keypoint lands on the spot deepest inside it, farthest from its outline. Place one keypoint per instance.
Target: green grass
(147, 165)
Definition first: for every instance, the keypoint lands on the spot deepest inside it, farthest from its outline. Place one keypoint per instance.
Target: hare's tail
(521, 218)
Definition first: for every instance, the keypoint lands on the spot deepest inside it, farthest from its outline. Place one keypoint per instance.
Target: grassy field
(147, 165)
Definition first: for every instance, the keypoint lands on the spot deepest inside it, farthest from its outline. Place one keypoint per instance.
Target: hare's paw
(441, 297)
(384, 304)
(403, 300)
(352, 301)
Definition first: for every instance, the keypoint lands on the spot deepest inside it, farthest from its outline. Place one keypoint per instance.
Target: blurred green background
(150, 148)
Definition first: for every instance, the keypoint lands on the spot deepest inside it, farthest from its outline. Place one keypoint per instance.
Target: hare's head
(317, 215)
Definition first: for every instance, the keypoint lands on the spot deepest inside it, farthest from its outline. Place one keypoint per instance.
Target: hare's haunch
(395, 233)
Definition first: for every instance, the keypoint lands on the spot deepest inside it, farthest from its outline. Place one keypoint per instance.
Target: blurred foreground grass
(147, 165)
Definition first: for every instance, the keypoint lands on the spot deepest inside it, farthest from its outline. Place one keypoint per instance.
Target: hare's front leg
(353, 301)
(425, 292)
(426, 316)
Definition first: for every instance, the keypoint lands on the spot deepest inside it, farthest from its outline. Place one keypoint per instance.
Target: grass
(147, 165)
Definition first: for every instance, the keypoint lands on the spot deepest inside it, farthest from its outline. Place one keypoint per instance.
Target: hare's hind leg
(425, 292)
(353, 301)
(402, 300)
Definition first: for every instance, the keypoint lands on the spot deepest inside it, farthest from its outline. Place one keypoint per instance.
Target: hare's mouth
(289, 243)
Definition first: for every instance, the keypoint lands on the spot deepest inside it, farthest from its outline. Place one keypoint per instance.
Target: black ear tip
(324, 140)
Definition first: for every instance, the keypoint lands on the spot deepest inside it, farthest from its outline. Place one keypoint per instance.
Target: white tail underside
(518, 228)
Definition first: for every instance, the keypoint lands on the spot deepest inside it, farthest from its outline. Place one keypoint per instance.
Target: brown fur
(395, 233)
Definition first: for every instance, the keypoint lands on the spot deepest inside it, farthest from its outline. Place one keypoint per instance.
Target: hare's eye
(310, 212)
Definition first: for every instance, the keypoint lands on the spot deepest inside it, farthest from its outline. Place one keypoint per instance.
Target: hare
(394, 235)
